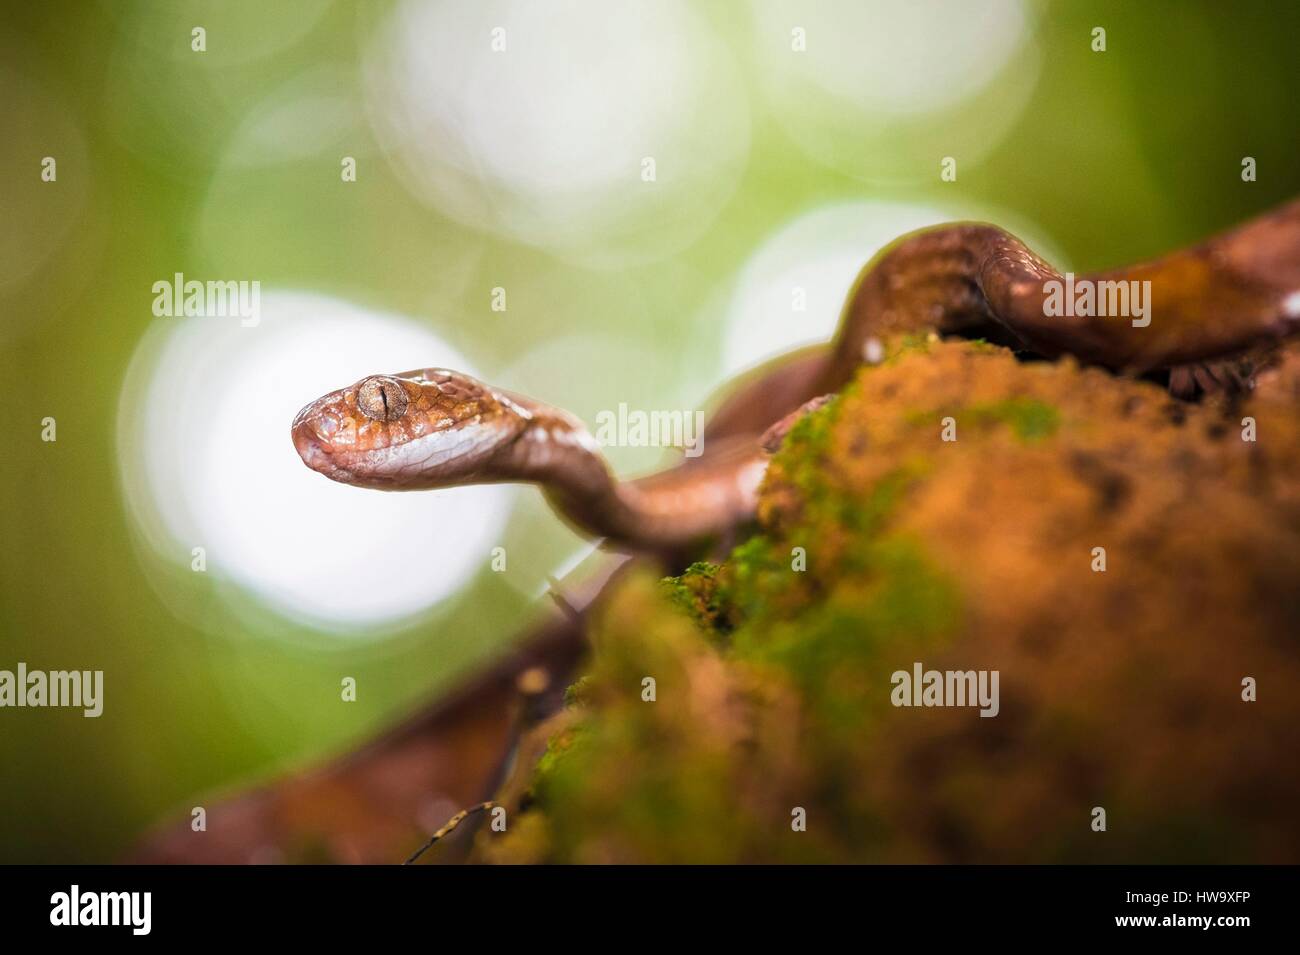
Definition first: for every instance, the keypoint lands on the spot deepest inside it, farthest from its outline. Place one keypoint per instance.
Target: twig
(452, 823)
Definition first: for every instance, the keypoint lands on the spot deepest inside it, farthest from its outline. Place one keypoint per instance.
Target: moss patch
(1029, 418)
(695, 592)
(723, 702)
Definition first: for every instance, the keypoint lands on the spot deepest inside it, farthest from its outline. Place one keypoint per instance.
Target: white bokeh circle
(883, 90)
(203, 434)
(533, 121)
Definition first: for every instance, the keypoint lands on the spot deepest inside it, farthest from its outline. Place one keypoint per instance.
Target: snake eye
(383, 399)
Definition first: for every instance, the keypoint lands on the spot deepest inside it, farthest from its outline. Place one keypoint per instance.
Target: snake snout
(314, 433)
(309, 444)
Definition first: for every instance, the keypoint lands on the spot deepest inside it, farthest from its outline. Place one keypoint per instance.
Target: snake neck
(674, 509)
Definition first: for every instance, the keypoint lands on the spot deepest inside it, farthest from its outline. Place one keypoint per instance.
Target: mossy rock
(882, 545)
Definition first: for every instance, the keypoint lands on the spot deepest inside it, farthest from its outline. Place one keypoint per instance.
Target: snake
(1234, 294)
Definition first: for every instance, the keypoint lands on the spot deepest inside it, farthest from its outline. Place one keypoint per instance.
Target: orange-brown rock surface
(1163, 689)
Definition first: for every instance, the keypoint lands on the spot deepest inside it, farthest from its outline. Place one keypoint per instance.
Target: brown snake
(436, 428)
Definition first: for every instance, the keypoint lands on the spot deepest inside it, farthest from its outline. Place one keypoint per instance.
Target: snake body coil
(437, 428)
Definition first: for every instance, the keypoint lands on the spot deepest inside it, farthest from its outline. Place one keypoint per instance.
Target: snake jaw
(311, 434)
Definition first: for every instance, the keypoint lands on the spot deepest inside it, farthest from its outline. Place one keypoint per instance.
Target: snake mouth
(308, 444)
(314, 449)
(320, 456)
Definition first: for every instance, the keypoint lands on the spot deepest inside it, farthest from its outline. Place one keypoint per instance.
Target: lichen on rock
(882, 545)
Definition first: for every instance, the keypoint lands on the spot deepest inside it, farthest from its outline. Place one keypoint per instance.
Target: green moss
(693, 591)
(803, 459)
(546, 765)
(575, 694)
(869, 515)
(559, 748)
(760, 578)
(890, 594)
(1030, 419)
(774, 669)
(812, 430)
(917, 343)
(756, 572)
(658, 780)
(802, 625)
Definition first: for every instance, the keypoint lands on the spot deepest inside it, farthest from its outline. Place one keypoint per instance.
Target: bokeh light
(535, 120)
(207, 462)
(792, 289)
(882, 91)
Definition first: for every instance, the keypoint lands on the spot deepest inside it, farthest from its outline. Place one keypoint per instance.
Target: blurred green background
(497, 145)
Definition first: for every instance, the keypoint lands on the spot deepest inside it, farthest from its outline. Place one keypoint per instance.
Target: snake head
(409, 431)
